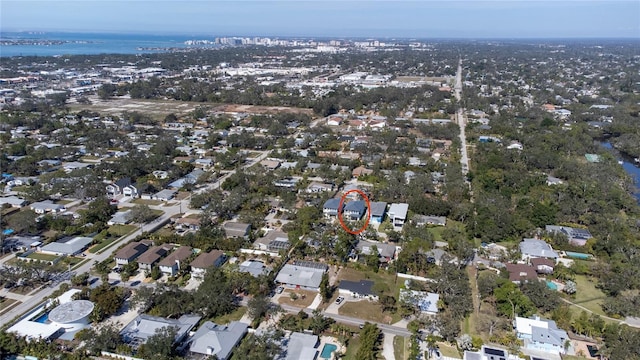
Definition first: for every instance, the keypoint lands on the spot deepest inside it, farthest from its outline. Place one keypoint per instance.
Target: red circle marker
(344, 226)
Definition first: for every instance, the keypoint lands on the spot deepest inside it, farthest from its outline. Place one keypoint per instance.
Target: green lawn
(368, 310)
(352, 348)
(383, 281)
(147, 202)
(121, 230)
(448, 350)
(436, 231)
(588, 295)
(101, 245)
(400, 347)
(45, 257)
(233, 316)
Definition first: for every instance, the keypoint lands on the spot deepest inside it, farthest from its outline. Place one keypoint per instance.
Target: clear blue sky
(420, 19)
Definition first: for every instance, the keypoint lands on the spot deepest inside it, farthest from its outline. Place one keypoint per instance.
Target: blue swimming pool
(327, 350)
(577, 255)
(551, 285)
(42, 319)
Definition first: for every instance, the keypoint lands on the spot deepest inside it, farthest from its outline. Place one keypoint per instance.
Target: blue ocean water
(91, 44)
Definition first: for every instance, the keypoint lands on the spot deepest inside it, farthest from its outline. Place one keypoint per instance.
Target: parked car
(280, 289)
(339, 300)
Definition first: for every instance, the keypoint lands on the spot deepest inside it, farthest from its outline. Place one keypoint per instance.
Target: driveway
(387, 347)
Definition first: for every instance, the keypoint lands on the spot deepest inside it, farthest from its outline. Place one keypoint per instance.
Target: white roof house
(144, 326)
(296, 276)
(535, 248)
(69, 247)
(398, 213)
(427, 302)
(46, 206)
(301, 346)
(217, 340)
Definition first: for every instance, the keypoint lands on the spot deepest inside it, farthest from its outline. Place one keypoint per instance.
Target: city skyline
(408, 19)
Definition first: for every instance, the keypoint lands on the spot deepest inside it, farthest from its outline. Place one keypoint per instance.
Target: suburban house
(151, 257)
(236, 229)
(14, 201)
(331, 208)
(206, 260)
(216, 340)
(130, 252)
(273, 241)
(489, 353)
(270, 164)
(387, 252)
(377, 211)
(422, 220)
(301, 346)
(354, 210)
(254, 267)
(361, 171)
(302, 275)
(316, 187)
(287, 183)
(576, 236)
(120, 218)
(536, 248)
(68, 246)
(190, 223)
(543, 266)
(140, 329)
(190, 178)
(357, 289)
(521, 272)
(171, 264)
(398, 214)
(427, 302)
(541, 334)
(117, 187)
(43, 207)
(131, 190)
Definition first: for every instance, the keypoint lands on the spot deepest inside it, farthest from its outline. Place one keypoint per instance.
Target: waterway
(53, 44)
(629, 165)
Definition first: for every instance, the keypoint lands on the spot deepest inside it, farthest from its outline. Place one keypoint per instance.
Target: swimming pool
(551, 285)
(577, 255)
(327, 350)
(42, 319)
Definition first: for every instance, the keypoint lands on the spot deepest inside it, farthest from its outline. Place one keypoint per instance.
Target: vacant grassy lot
(448, 350)
(400, 347)
(352, 348)
(436, 231)
(304, 298)
(588, 295)
(146, 202)
(367, 310)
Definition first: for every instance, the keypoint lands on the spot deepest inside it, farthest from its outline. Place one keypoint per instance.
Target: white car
(339, 300)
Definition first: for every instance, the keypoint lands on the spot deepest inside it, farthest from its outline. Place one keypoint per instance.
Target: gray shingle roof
(219, 340)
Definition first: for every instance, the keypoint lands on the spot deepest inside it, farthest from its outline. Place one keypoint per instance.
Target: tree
(160, 345)
(260, 347)
(258, 306)
(370, 337)
(388, 303)
(141, 214)
(570, 287)
(214, 296)
(319, 323)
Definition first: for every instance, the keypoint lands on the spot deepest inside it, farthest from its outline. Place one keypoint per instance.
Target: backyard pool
(327, 350)
(42, 319)
(551, 285)
(577, 255)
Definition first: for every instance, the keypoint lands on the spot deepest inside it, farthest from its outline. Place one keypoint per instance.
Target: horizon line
(390, 37)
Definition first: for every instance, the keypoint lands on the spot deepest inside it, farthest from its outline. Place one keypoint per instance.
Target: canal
(629, 165)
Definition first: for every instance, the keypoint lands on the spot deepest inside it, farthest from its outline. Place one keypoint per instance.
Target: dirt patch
(256, 109)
